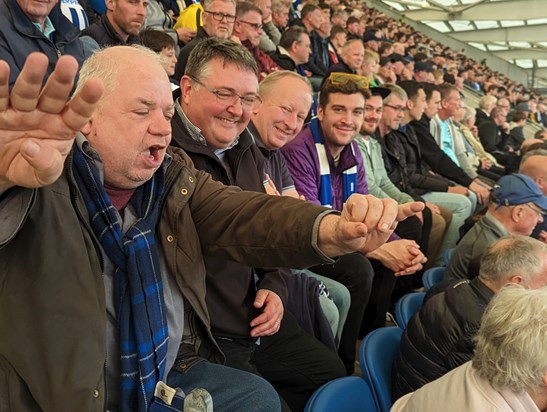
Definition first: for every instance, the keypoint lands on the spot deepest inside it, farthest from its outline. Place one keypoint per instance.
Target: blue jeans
(231, 389)
(461, 206)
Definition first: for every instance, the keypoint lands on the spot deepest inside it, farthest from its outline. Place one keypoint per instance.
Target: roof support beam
(532, 54)
(534, 33)
(500, 10)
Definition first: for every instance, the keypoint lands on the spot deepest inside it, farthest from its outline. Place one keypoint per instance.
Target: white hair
(511, 344)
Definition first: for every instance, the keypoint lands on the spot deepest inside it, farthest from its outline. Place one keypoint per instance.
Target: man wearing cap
(441, 336)
(423, 72)
(517, 205)
(372, 41)
(326, 165)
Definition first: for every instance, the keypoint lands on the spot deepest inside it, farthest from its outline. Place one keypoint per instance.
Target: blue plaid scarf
(349, 176)
(138, 288)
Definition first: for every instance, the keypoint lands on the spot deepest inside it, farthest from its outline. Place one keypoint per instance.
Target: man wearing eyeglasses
(248, 31)
(217, 96)
(218, 21)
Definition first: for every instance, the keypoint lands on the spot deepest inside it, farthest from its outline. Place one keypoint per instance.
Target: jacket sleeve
(303, 171)
(269, 38)
(438, 160)
(15, 205)
(276, 280)
(488, 133)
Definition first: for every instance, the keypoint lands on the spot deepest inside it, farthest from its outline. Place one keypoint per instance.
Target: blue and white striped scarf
(325, 187)
(138, 287)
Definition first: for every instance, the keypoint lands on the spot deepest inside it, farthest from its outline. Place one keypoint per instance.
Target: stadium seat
(447, 255)
(433, 276)
(347, 394)
(376, 357)
(407, 306)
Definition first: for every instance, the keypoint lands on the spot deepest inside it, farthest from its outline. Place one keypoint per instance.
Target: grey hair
(511, 344)
(513, 256)
(269, 83)
(207, 3)
(105, 65)
(535, 152)
(228, 51)
(469, 113)
(395, 91)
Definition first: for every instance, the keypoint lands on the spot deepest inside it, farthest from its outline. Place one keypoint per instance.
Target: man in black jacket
(438, 160)
(440, 337)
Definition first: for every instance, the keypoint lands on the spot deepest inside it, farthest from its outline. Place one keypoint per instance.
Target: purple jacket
(303, 163)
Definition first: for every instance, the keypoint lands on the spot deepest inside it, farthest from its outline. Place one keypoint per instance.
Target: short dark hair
(429, 88)
(291, 35)
(226, 50)
(411, 87)
(336, 30)
(349, 87)
(351, 20)
(244, 7)
(157, 40)
(307, 9)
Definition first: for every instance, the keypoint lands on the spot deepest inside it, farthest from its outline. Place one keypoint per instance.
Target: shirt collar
(48, 27)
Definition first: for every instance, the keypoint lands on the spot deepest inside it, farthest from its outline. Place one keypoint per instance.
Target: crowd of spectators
(319, 102)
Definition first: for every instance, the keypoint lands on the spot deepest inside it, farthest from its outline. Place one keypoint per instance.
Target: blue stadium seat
(433, 276)
(376, 357)
(447, 255)
(407, 306)
(347, 394)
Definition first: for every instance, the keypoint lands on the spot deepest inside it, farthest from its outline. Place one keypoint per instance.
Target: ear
(186, 89)
(320, 113)
(409, 104)
(517, 280)
(110, 4)
(516, 213)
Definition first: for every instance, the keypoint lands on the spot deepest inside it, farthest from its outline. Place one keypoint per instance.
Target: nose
(159, 125)
(291, 121)
(236, 108)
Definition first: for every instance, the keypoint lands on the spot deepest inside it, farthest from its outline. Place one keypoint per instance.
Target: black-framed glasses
(229, 96)
(399, 109)
(256, 26)
(230, 18)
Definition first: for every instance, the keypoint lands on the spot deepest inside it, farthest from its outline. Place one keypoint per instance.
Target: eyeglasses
(341, 79)
(230, 18)
(230, 97)
(255, 26)
(399, 109)
(541, 212)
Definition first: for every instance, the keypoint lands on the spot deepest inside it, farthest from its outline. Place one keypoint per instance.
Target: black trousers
(292, 360)
(355, 272)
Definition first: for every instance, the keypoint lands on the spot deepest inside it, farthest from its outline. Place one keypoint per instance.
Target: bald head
(535, 166)
(108, 63)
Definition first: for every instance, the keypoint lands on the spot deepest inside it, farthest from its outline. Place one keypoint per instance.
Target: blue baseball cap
(518, 189)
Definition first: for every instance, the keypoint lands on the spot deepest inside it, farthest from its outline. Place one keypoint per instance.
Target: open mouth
(155, 153)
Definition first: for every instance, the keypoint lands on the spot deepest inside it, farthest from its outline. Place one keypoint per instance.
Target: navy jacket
(19, 37)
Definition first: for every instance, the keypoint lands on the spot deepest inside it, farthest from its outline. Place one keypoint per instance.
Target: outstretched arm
(365, 224)
(37, 124)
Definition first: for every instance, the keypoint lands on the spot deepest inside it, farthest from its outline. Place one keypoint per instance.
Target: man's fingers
(409, 209)
(59, 85)
(46, 162)
(25, 92)
(4, 85)
(82, 105)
